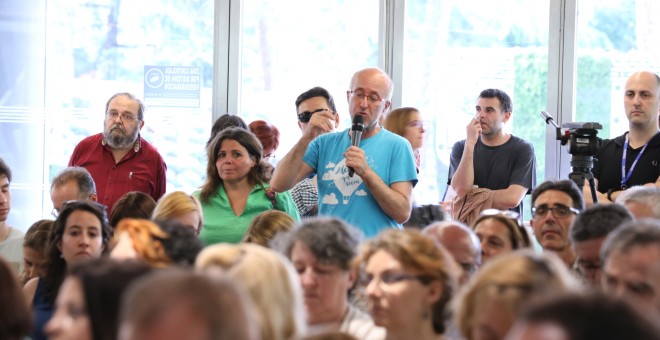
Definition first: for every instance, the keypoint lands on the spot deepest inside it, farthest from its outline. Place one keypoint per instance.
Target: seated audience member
(181, 207)
(35, 244)
(90, 296)
(80, 232)
(236, 188)
(461, 242)
(266, 225)
(15, 318)
(500, 232)
(269, 279)
(584, 317)
(268, 135)
(408, 282)
(555, 204)
(407, 122)
(160, 245)
(494, 297)
(11, 239)
(588, 234)
(223, 122)
(175, 304)
(631, 270)
(321, 251)
(642, 202)
(72, 183)
(132, 204)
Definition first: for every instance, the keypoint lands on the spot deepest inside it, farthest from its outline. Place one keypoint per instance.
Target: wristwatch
(609, 195)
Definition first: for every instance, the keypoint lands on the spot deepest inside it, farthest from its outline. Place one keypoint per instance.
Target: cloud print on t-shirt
(330, 199)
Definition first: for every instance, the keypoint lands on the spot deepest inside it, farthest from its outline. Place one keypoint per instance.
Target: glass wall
(286, 52)
(452, 51)
(615, 38)
(65, 70)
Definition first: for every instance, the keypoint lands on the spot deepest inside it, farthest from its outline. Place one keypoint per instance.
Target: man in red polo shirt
(119, 159)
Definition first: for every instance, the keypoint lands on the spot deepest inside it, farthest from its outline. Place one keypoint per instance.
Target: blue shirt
(387, 154)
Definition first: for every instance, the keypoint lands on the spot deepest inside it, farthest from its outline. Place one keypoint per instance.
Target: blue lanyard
(625, 177)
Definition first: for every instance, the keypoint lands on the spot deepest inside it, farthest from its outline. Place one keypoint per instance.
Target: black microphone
(356, 135)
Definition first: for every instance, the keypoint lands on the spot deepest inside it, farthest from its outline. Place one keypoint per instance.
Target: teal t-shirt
(388, 154)
(222, 225)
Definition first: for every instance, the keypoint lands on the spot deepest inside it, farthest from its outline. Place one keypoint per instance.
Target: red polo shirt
(142, 169)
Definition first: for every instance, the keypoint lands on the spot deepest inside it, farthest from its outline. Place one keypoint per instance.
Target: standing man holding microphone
(379, 194)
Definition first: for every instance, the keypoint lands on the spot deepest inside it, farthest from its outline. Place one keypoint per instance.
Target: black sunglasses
(304, 117)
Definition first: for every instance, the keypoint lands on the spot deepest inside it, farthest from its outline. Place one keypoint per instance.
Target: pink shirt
(142, 169)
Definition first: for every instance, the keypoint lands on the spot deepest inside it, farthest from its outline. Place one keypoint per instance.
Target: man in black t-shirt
(632, 158)
(492, 159)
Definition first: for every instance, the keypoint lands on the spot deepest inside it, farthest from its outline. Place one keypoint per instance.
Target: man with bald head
(461, 242)
(379, 193)
(632, 158)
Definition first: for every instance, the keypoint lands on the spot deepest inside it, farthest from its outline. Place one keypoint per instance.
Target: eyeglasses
(506, 213)
(416, 124)
(125, 117)
(389, 279)
(520, 234)
(372, 98)
(304, 117)
(269, 157)
(559, 210)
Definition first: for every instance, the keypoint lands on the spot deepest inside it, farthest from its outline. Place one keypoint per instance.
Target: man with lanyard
(636, 152)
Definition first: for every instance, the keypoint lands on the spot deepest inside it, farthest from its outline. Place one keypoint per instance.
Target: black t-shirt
(498, 167)
(607, 163)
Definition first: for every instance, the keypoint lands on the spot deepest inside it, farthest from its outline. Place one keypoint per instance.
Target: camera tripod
(581, 169)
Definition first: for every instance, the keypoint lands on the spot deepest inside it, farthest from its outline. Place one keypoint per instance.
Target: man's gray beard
(120, 141)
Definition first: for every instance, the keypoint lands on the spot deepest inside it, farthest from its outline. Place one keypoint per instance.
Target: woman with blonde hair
(269, 279)
(407, 122)
(408, 282)
(181, 207)
(266, 225)
(493, 299)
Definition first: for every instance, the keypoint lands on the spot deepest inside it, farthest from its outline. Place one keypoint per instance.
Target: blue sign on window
(172, 86)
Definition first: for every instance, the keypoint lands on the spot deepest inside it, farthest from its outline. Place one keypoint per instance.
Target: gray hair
(331, 240)
(643, 195)
(632, 234)
(81, 176)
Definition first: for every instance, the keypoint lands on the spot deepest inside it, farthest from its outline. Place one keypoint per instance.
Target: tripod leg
(592, 186)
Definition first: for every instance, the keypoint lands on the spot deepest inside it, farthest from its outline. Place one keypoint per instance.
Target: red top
(142, 169)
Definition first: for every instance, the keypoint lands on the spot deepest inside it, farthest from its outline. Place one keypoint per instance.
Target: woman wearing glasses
(500, 232)
(408, 283)
(236, 189)
(407, 123)
(80, 232)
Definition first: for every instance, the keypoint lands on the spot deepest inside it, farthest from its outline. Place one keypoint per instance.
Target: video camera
(583, 144)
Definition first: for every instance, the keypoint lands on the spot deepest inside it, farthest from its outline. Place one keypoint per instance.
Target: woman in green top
(235, 190)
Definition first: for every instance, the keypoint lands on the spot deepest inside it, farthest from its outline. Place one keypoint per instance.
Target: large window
(452, 51)
(615, 38)
(286, 52)
(108, 48)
